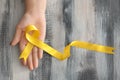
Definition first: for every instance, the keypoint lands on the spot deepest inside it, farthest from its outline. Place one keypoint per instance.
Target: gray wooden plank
(117, 51)
(107, 15)
(58, 41)
(81, 65)
(5, 58)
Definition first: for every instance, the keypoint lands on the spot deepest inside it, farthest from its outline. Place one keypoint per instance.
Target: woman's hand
(30, 18)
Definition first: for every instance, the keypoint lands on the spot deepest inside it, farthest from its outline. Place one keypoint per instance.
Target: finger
(17, 37)
(40, 53)
(35, 57)
(41, 37)
(22, 45)
(29, 62)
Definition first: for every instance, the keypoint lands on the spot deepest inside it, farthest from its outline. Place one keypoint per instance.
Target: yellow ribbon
(34, 41)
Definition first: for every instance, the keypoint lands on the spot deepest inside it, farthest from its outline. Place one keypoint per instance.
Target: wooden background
(96, 21)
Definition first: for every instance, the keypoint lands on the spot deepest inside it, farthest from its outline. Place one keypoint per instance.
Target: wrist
(38, 6)
(35, 11)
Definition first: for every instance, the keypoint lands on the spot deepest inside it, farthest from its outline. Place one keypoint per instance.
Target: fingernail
(11, 43)
(36, 66)
(31, 68)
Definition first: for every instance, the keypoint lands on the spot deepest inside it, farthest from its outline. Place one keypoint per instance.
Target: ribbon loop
(34, 41)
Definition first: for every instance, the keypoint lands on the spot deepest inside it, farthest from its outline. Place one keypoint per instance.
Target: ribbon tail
(94, 47)
(26, 51)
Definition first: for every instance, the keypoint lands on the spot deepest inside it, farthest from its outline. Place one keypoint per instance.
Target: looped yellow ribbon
(34, 41)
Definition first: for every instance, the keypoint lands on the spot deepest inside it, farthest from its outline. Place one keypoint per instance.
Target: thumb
(17, 36)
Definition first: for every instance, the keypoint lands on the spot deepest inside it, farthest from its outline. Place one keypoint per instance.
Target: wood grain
(96, 21)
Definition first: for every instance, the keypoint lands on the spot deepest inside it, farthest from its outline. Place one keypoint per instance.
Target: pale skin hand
(35, 15)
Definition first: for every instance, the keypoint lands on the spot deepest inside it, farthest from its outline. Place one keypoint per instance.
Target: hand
(30, 18)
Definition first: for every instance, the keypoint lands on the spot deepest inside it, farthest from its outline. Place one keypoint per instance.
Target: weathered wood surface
(96, 21)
